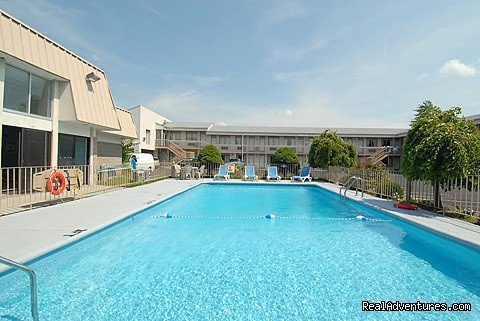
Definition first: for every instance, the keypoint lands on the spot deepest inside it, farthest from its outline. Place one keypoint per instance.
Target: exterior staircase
(379, 155)
(180, 153)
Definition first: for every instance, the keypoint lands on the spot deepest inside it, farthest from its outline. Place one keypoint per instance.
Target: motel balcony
(184, 144)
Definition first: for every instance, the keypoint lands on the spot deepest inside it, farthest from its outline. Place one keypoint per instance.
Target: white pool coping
(28, 235)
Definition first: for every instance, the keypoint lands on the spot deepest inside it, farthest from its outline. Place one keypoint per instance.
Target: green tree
(440, 146)
(210, 154)
(329, 149)
(127, 150)
(285, 155)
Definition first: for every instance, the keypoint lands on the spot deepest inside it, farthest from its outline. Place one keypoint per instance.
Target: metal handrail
(349, 183)
(33, 283)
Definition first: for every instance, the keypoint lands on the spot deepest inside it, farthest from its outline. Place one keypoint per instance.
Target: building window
(372, 143)
(16, 89)
(175, 136)
(72, 150)
(40, 96)
(26, 93)
(147, 136)
(224, 140)
(238, 140)
(272, 141)
(191, 136)
(289, 141)
(386, 142)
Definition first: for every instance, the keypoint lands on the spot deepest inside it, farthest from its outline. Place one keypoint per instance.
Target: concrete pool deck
(30, 234)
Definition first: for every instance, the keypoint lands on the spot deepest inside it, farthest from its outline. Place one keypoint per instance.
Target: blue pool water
(218, 259)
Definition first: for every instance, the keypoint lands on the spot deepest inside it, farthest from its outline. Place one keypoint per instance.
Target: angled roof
(475, 118)
(188, 125)
(127, 124)
(307, 131)
(93, 101)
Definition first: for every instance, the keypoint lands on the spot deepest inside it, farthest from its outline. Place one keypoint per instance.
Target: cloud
(285, 11)
(295, 53)
(295, 75)
(150, 8)
(188, 93)
(309, 106)
(207, 81)
(456, 67)
(421, 77)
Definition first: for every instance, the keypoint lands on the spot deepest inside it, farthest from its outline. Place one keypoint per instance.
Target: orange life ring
(56, 183)
(406, 206)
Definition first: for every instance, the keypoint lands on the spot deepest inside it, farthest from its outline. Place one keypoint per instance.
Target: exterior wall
(108, 150)
(146, 119)
(93, 101)
(108, 154)
(79, 107)
(17, 119)
(258, 150)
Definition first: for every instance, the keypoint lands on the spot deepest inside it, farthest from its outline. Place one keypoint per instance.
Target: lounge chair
(250, 173)
(304, 175)
(222, 173)
(273, 174)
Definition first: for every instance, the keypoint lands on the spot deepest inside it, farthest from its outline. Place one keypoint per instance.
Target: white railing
(25, 188)
(459, 195)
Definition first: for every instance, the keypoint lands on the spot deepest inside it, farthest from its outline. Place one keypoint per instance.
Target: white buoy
(271, 215)
(360, 217)
(167, 215)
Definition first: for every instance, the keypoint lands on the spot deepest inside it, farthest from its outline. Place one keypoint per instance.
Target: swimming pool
(219, 258)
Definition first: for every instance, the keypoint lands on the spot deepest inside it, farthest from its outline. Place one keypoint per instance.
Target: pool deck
(30, 234)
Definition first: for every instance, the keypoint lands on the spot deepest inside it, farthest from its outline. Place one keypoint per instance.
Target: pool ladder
(349, 183)
(33, 283)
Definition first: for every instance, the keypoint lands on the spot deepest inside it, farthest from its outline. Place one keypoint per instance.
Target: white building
(149, 128)
(177, 141)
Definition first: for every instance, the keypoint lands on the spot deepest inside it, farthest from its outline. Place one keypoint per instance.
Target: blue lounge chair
(304, 175)
(222, 173)
(273, 174)
(250, 173)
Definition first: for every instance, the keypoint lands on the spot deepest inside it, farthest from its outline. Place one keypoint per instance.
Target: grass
(145, 182)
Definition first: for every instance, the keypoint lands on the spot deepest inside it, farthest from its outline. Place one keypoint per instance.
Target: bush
(329, 149)
(385, 187)
(239, 172)
(210, 154)
(285, 155)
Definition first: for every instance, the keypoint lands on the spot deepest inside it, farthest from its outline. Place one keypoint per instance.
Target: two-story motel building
(175, 141)
(56, 108)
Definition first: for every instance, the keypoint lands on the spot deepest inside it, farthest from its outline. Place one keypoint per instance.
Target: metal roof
(127, 124)
(475, 118)
(188, 125)
(92, 100)
(306, 131)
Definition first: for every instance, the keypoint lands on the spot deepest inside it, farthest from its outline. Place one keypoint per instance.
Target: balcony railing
(185, 144)
(247, 148)
(368, 151)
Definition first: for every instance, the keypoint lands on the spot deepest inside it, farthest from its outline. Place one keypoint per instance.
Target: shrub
(285, 155)
(329, 149)
(210, 154)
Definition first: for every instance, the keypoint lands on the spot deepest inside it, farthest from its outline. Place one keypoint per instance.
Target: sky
(274, 63)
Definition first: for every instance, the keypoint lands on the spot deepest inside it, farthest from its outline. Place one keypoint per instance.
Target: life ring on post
(56, 183)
